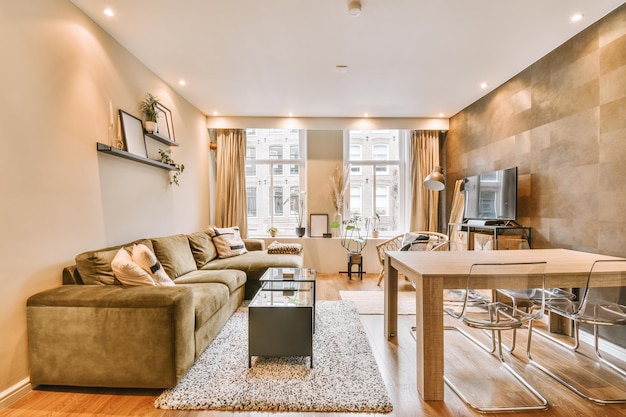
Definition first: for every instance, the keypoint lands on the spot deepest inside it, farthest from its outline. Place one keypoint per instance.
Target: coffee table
(281, 316)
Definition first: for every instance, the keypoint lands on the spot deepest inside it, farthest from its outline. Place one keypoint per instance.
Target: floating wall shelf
(127, 155)
(162, 139)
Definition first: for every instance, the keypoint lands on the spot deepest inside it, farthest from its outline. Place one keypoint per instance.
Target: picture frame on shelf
(164, 122)
(318, 225)
(132, 134)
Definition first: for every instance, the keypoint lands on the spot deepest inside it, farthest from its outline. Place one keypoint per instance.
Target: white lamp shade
(435, 180)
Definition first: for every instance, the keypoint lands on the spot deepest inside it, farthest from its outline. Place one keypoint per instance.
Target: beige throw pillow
(128, 272)
(227, 241)
(143, 256)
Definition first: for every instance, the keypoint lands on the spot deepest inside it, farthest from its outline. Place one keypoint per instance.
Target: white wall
(59, 196)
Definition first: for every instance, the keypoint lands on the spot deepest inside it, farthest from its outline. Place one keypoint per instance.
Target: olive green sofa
(94, 332)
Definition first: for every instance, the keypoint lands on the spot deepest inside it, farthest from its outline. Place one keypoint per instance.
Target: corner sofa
(95, 332)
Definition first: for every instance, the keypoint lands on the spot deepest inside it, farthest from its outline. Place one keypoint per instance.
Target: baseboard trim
(14, 393)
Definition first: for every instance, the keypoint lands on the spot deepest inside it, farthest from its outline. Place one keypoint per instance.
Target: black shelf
(162, 139)
(127, 155)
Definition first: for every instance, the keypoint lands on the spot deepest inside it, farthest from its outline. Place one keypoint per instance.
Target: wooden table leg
(391, 299)
(429, 337)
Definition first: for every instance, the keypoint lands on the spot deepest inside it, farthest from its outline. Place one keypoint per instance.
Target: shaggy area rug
(345, 376)
(373, 302)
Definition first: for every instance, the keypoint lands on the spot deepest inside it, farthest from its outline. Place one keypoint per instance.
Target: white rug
(345, 377)
(373, 302)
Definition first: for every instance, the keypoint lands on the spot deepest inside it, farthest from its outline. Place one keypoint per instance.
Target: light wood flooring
(396, 360)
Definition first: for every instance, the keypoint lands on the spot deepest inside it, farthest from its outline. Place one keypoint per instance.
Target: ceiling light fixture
(354, 8)
(182, 82)
(341, 69)
(366, 115)
(109, 12)
(576, 18)
(215, 113)
(484, 85)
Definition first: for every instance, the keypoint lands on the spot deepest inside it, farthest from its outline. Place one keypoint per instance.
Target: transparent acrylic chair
(526, 298)
(598, 306)
(486, 314)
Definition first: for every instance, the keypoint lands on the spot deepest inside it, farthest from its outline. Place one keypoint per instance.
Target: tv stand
(463, 233)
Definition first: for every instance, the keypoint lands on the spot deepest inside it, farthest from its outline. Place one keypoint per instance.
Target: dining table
(432, 272)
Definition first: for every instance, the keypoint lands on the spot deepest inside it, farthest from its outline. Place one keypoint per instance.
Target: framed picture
(318, 225)
(164, 122)
(132, 133)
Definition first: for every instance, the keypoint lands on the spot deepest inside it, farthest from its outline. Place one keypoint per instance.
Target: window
(293, 202)
(376, 183)
(270, 178)
(276, 152)
(251, 197)
(294, 153)
(250, 169)
(278, 201)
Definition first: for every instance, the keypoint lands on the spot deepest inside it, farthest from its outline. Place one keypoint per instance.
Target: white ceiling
(405, 58)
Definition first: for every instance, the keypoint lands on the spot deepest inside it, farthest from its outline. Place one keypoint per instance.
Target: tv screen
(492, 195)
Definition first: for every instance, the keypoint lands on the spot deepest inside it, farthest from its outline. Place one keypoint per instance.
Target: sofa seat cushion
(232, 278)
(174, 254)
(255, 261)
(208, 298)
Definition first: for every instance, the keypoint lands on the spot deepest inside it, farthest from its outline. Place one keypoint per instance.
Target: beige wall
(562, 121)
(58, 195)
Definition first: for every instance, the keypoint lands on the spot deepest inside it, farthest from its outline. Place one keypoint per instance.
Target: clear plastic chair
(526, 298)
(486, 314)
(411, 241)
(598, 306)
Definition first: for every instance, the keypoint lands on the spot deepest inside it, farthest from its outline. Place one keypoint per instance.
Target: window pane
(276, 152)
(356, 201)
(294, 153)
(278, 201)
(251, 197)
(382, 200)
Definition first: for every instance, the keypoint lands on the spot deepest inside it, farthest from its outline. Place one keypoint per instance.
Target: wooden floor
(396, 360)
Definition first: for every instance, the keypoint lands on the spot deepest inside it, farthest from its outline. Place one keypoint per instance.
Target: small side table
(355, 259)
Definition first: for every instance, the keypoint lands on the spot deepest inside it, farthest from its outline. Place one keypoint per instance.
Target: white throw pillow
(227, 241)
(143, 256)
(128, 272)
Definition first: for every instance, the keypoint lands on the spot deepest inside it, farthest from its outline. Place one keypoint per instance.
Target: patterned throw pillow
(128, 272)
(227, 241)
(414, 242)
(143, 256)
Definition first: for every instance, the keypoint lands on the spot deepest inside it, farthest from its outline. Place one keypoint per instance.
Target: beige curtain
(231, 203)
(424, 203)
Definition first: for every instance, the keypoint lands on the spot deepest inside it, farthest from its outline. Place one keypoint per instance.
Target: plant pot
(273, 234)
(300, 231)
(374, 234)
(151, 127)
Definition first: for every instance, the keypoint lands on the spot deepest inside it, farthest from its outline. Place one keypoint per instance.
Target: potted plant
(272, 231)
(354, 234)
(166, 158)
(374, 220)
(149, 110)
(296, 204)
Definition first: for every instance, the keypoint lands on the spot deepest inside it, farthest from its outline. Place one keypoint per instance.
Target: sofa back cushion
(227, 241)
(174, 254)
(202, 248)
(94, 267)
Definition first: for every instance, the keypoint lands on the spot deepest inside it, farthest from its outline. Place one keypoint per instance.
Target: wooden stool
(355, 259)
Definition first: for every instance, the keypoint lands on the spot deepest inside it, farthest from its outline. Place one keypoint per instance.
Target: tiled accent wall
(562, 121)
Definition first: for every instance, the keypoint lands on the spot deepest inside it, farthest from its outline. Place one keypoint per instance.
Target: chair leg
(543, 402)
(596, 336)
(562, 381)
(381, 275)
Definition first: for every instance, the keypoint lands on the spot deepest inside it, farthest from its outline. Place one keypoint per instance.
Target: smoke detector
(354, 8)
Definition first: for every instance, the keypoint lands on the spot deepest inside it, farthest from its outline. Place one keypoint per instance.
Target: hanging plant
(166, 158)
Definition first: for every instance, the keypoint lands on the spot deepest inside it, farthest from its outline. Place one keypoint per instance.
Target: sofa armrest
(109, 336)
(254, 244)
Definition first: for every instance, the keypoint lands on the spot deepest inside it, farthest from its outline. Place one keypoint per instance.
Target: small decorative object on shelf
(272, 231)
(166, 158)
(374, 219)
(149, 109)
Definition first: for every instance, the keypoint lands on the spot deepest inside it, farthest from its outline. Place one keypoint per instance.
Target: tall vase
(337, 220)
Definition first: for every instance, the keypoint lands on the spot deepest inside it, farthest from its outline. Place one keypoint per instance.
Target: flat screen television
(492, 195)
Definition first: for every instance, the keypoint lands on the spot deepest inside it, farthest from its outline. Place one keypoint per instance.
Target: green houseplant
(149, 109)
(272, 231)
(296, 205)
(166, 158)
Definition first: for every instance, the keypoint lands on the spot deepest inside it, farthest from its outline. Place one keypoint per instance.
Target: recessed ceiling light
(109, 12)
(576, 18)
(341, 69)
(366, 115)
(484, 85)
(290, 114)
(182, 82)
(440, 114)
(354, 8)
(215, 113)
